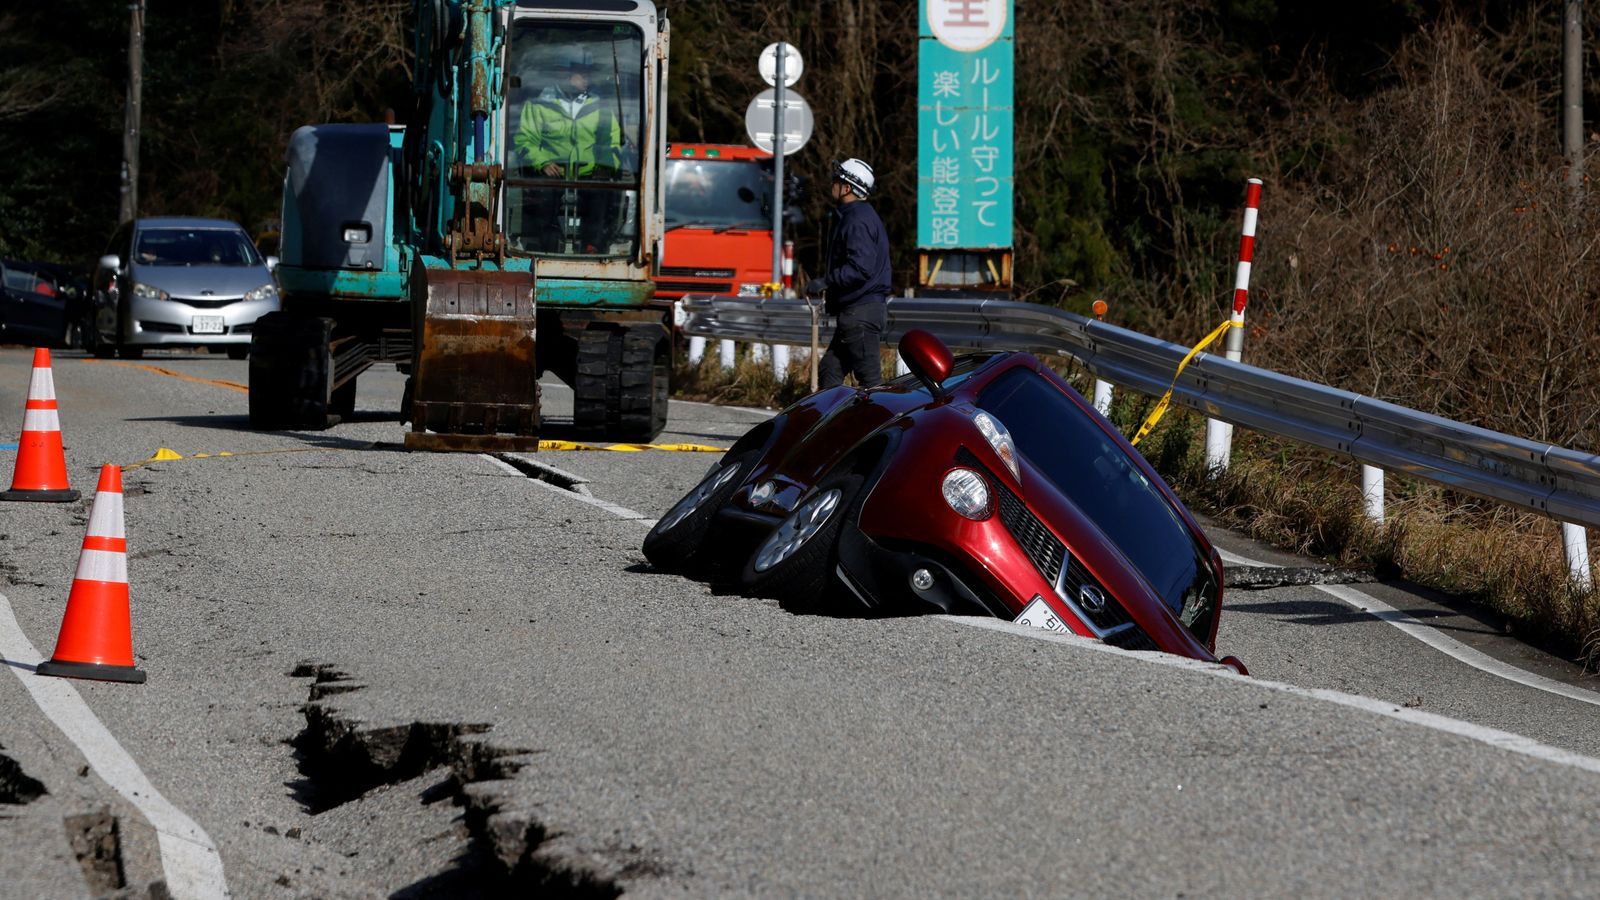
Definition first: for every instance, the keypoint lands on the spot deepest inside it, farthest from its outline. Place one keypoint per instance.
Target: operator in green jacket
(568, 133)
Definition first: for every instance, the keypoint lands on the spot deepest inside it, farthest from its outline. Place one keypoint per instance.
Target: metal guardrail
(1544, 478)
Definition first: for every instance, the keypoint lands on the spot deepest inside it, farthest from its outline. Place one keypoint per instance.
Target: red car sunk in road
(978, 485)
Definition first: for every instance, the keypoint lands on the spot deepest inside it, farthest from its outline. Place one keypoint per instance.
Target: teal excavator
(508, 228)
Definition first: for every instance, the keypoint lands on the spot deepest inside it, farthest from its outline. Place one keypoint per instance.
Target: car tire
(802, 578)
(677, 542)
(127, 352)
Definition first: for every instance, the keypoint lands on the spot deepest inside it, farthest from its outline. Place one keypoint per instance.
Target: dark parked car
(33, 306)
(981, 485)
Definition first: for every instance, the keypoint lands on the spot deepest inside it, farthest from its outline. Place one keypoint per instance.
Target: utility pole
(1572, 92)
(130, 129)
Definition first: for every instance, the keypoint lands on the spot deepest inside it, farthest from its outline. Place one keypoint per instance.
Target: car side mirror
(928, 358)
(112, 262)
(272, 264)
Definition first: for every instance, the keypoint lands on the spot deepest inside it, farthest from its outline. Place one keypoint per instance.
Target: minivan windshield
(1093, 472)
(719, 194)
(194, 247)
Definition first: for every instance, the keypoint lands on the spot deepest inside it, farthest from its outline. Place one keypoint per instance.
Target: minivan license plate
(209, 325)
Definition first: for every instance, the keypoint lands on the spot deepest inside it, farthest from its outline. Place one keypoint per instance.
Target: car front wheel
(677, 542)
(796, 563)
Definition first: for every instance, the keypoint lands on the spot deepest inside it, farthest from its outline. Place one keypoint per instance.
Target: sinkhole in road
(16, 786)
(343, 759)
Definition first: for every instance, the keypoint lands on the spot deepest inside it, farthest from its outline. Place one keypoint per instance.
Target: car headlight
(968, 494)
(1000, 439)
(265, 292)
(147, 292)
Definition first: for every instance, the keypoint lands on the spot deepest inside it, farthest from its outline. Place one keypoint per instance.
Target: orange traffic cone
(41, 472)
(96, 636)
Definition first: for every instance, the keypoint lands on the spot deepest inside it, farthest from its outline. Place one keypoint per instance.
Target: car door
(47, 304)
(11, 312)
(26, 309)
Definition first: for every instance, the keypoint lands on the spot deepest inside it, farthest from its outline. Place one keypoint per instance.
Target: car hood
(194, 281)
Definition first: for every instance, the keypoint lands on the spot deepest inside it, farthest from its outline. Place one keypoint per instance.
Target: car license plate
(209, 325)
(1038, 614)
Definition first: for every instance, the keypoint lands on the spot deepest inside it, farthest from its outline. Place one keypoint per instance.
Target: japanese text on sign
(965, 125)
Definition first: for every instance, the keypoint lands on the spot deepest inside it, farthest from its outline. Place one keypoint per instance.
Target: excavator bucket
(474, 380)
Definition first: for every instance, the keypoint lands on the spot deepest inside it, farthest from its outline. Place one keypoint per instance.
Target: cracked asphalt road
(644, 734)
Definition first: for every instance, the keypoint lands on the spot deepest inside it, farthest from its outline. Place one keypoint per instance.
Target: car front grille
(208, 302)
(1131, 638)
(1111, 616)
(1049, 554)
(696, 287)
(161, 327)
(1036, 540)
(696, 272)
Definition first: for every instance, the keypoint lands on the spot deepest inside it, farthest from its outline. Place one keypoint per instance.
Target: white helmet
(856, 174)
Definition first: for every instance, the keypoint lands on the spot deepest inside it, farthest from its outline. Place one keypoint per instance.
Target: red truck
(719, 220)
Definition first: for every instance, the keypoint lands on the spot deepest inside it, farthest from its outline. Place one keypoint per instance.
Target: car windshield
(1092, 470)
(723, 194)
(574, 128)
(194, 247)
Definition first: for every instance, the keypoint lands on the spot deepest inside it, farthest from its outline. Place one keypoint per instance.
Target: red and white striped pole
(1219, 435)
(788, 268)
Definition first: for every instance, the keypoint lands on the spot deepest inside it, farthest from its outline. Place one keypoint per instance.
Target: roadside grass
(1307, 502)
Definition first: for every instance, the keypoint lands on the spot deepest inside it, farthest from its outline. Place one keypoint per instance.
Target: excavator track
(621, 383)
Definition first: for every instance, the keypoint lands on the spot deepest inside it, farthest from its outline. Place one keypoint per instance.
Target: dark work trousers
(857, 337)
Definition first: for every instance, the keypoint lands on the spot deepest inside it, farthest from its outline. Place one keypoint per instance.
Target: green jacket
(550, 134)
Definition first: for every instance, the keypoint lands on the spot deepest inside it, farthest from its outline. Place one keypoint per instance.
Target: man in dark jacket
(856, 284)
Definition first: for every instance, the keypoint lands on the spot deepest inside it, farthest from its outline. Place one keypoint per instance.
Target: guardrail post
(1372, 493)
(1575, 538)
(697, 350)
(780, 362)
(726, 352)
(759, 352)
(1102, 396)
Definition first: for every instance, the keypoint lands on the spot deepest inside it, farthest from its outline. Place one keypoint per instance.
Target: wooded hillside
(1415, 240)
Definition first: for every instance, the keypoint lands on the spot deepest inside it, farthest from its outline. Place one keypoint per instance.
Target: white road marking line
(1502, 740)
(188, 857)
(621, 512)
(1443, 643)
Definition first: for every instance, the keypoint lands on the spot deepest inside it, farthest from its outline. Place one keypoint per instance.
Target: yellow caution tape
(1161, 408)
(166, 454)
(632, 448)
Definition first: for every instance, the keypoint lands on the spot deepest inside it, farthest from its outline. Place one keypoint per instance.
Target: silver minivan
(179, 282)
